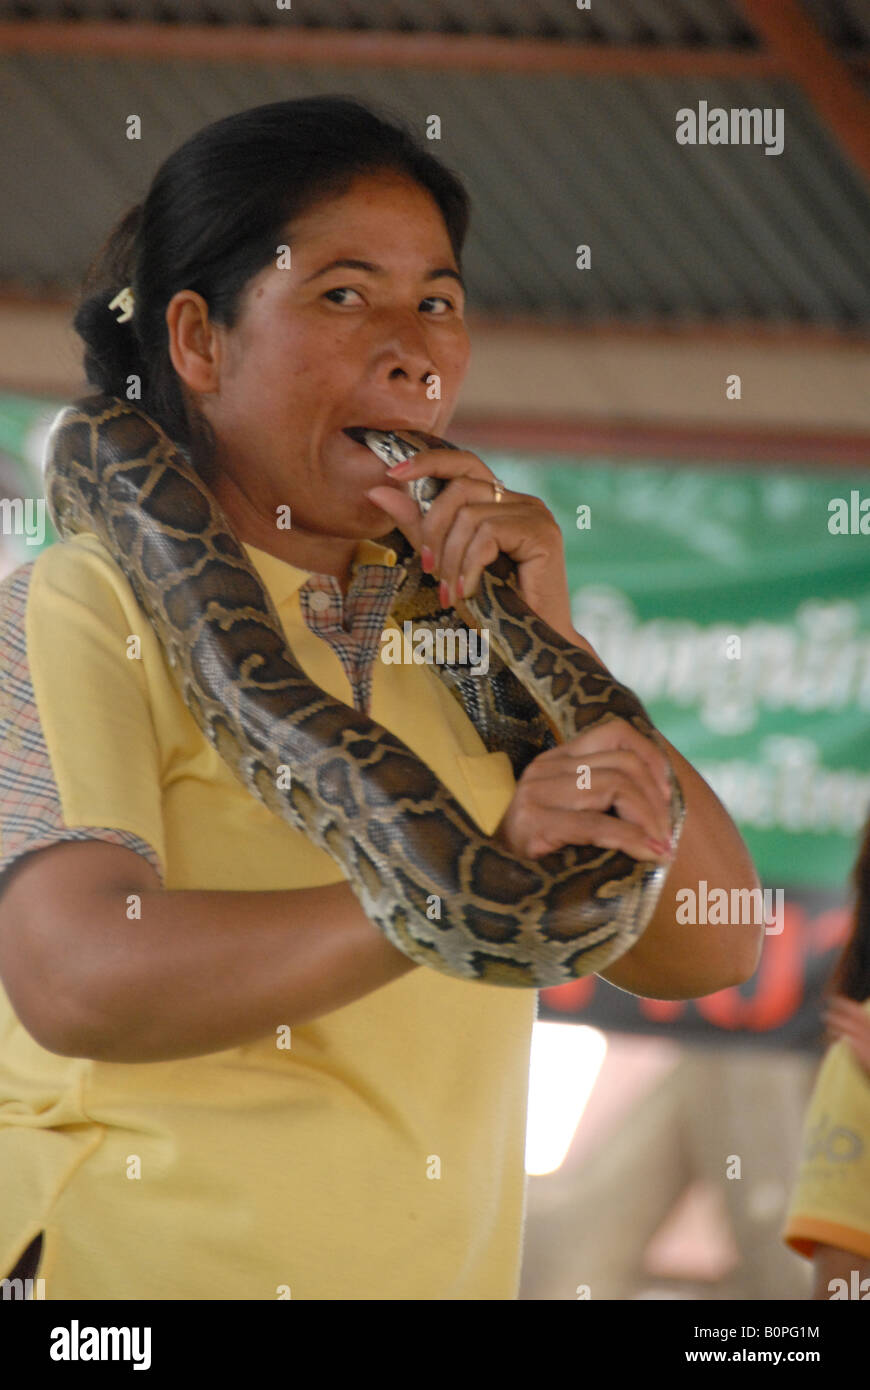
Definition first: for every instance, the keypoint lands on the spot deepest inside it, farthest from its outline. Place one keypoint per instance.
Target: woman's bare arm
(197, 972)
(201, 971)
(676, 960)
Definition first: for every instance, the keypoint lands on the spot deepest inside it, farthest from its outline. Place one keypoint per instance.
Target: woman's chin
(380, 524)
(374, 518)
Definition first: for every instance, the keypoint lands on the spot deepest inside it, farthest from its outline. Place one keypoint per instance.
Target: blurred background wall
(671, 345)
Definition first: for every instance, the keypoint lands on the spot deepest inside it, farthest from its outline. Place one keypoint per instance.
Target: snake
(443, 892)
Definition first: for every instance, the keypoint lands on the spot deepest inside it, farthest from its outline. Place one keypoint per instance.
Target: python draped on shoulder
(359, 792)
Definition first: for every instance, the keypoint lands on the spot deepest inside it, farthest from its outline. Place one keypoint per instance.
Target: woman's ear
(194, 342)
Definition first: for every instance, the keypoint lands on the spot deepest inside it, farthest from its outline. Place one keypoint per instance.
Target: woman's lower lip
(378, 476)
(364, 452)
(358, 444)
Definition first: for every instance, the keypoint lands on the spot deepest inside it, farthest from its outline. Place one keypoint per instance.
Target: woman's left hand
(465, 529)
(850, 1022)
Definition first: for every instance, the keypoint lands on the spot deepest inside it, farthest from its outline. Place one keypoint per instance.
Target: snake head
(394, 446)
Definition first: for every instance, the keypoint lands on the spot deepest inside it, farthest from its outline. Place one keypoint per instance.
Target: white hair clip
(124, 300)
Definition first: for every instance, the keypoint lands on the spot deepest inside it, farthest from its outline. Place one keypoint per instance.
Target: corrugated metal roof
(692, 23)
(701, 22)
(678, 233)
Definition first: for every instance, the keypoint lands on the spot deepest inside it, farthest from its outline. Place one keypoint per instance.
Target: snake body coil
(402, 840)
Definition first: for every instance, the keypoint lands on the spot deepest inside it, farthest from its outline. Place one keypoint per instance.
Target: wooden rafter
(241, 43)
(804, 56)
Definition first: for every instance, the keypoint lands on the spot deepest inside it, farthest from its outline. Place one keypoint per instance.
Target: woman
(829, 1218)
(218, 1079)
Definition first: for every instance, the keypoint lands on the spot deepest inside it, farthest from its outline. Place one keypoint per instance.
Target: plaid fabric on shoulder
(31, 815)
(352, 625)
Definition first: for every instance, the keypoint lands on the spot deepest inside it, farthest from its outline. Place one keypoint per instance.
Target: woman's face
(320, 346)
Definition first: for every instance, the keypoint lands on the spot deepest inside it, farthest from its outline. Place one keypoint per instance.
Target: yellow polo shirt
(380, 1156)
(830, 1204)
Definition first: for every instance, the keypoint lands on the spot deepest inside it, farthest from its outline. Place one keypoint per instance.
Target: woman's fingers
(618, 734)
(612, 736)
(608, 786)
(478, 533)
(468, 479)
(848, 1021)
(550, 811)
(467, 527)
(553, 829)
(849, 1008)
(403, 510)
(617, 779)
(441, 463)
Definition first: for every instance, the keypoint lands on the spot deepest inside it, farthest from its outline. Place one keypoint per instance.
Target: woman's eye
(431, 299)
(439, 299)
(340, 289)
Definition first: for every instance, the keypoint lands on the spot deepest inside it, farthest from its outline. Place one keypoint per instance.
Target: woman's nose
(403, 346)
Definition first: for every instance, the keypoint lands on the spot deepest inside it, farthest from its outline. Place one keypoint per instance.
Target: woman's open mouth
(394, 446)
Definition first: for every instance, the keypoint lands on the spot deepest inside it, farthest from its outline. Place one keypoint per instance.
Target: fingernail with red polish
(427, 559)
(398, 467)
(444, 594)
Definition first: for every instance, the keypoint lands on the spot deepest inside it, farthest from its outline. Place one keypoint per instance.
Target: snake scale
(444, 893)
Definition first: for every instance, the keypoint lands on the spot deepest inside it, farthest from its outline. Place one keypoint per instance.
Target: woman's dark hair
(852, 973)
(215, 215)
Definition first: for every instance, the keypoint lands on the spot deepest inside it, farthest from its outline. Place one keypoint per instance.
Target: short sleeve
(79, 758)
(831, 1200)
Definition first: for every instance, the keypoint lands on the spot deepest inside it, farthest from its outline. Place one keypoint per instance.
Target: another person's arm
(848, 1020)
(828, 1219)
(831, 1264)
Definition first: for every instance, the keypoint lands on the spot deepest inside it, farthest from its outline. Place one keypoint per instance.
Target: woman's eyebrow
(370, 266)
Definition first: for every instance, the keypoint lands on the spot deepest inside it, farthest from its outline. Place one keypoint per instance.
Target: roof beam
(606, 438)
(242, 43)
(795, 42)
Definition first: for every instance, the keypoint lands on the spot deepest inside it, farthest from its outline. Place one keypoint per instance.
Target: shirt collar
(283, 580)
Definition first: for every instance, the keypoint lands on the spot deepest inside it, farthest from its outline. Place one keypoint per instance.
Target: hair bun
(111, 348)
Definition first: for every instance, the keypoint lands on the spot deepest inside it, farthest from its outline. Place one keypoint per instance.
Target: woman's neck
(308, 550)
(319, 554)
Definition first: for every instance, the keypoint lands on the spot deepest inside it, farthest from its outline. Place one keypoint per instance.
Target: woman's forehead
(366, 203)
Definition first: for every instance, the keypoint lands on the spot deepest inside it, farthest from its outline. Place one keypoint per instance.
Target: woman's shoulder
(71, 589)
(81, 567)
(80, 555)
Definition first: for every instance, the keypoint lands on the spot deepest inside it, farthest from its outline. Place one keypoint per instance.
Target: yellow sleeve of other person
(380, 1156)
(831, 1201)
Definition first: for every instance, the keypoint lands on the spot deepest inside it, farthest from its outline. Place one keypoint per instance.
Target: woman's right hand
(627, 773)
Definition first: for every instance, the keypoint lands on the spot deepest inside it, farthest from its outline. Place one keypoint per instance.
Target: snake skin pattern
(443, 893)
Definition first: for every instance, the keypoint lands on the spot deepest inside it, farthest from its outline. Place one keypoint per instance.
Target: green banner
(737, 606)
(25, 528)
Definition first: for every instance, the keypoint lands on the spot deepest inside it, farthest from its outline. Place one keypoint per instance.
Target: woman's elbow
(733, 962)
